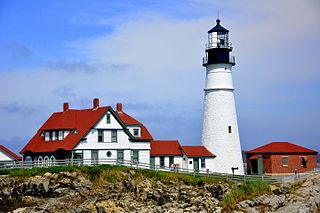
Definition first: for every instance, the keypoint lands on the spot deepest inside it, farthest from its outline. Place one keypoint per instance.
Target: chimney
(95, 103)
(119, 107)
(65, 106)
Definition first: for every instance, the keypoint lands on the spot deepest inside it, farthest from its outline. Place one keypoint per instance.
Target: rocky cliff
(129, 191)
(299, 196)
(132, 191)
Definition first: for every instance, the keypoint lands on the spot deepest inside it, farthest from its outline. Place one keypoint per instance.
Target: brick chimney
(96, 103)
(65, 106)
(119, 107)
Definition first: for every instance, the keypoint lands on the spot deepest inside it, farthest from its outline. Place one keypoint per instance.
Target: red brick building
(280, 158)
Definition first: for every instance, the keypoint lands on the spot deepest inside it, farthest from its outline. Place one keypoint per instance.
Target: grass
(110, 173)
(185, 178)
(37, 171)
(244, 192)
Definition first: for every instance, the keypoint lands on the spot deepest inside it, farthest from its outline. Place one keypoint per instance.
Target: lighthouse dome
(218, 28)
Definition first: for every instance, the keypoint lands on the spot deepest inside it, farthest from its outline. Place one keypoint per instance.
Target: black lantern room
(218, 46)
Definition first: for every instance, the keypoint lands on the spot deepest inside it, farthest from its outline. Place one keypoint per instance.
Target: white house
(7, 157)
(102, 135)
(95, 135)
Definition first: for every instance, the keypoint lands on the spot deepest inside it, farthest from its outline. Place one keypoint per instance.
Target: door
(196, 164)
(120, 157)
(152, 162)
(94, 157)
(254, 166)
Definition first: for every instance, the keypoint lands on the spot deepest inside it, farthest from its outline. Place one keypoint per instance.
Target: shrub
(244, 192)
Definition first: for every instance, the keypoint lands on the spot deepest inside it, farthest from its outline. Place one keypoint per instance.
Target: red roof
(196, 151)
(82, 121)
(165, 147)
(281, 147)
(128, 120)
(12, 154)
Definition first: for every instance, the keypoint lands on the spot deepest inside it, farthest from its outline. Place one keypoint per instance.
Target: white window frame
(114, 136)
(102, 135)
(283, 157)
(47, 136)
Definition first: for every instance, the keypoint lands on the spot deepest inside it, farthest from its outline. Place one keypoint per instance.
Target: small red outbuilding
(280, 158)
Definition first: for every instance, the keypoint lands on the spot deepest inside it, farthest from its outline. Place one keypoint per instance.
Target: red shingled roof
(165, 147)
(82, 121)
(128, 120)
(12, 154)
(196, 151)
(281, 147)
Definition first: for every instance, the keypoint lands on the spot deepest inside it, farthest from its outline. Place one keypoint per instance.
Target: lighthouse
(220, 133)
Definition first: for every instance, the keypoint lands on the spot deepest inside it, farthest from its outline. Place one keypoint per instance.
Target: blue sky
(147, 54)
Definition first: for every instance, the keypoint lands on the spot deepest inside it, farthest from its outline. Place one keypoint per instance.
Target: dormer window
(60, 136)
(136, 132)
(75, 131)
(53, 135)
(47, 136)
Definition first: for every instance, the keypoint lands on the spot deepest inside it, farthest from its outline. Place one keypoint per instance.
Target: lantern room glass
(218, 40)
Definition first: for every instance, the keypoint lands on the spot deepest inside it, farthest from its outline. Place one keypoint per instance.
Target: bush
(244, 192)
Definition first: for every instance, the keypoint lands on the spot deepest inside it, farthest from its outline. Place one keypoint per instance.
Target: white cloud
(154, 60)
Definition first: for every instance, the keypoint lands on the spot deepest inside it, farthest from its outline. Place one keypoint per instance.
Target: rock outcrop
(69, 191)
(130, 191)
(302, 197)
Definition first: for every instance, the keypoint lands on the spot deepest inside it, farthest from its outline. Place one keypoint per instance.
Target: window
(100, 135)
(120, 156)
(54, 135)
(52, 160)
(108, 118)
(60, 136)
(135, 156)
(285, 161)
(114, 136)
(304, 161)
(46, 161)
(136, 132)
(161, 161)
(171, 160)
(203, 163)
(40, 161)
(47, 136)
(109, 154)
(190, 162)
(229, 129)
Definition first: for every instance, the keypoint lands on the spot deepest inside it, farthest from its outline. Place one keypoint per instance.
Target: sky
(148, 55)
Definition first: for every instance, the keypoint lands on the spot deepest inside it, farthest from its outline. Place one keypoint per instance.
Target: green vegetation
(185, 178)
(247, 191)
(111, 173)
(37, 170)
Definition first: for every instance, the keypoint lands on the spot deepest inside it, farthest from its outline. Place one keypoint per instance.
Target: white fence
(206, 173)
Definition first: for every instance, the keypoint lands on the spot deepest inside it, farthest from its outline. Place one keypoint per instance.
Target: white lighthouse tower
(220, 129)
